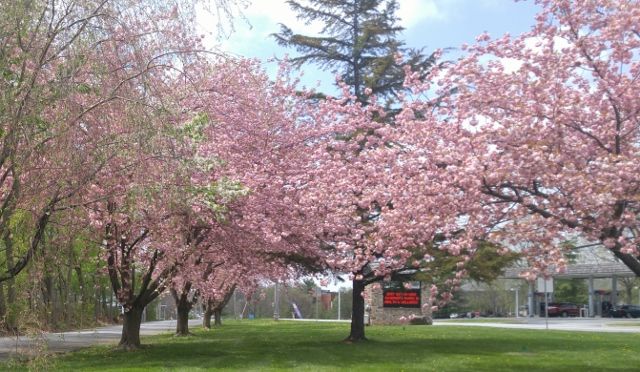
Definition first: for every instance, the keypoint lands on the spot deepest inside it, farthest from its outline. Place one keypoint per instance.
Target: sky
(428, 24)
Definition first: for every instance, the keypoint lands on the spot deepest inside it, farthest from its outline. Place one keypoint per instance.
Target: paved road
(67, 341)
(564, 324)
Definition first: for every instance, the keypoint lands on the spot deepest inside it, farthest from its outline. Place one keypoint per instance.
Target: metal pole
(339, 307)
(276, 303)
(592, 309)
(546, 305)
(530, 305)
(517, 303)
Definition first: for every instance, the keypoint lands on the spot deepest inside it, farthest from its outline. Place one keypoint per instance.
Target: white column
(530, 304)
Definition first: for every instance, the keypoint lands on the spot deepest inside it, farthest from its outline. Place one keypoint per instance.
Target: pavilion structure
(588, 271)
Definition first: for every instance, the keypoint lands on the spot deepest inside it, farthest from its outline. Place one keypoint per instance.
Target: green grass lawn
(630, 323)
(308, 346)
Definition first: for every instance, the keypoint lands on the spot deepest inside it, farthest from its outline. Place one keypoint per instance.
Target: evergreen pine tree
(358, 40)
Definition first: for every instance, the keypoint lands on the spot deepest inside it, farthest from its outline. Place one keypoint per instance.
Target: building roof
(580, 271)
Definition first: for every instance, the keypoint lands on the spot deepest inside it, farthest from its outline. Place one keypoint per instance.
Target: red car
(563, 309)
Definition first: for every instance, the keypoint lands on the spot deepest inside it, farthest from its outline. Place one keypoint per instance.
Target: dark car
(563, 309)
(626, 311)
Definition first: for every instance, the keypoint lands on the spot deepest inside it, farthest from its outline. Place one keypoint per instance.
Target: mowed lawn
(262, 345)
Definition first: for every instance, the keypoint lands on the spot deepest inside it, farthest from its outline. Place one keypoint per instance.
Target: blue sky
(428, 23)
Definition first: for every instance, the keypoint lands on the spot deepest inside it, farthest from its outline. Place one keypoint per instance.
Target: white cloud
(412, 12)
(273, 12)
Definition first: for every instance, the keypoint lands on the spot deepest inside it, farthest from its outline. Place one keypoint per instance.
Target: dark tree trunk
(217, 314)
(206, 319)
(9, 318)
(104, 309)
(3, 308)
(182, 325)
(47, 299)
(357, 313)
(132, 319)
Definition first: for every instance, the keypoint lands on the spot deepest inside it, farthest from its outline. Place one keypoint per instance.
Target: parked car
(563, 309)
(473, 314)
(625, 311)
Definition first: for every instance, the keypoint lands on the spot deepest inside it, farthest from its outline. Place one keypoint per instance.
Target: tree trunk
(182, 325)
(357, 313)
(104, 310)
(217, 314)
(9, 319)
(130, 339)
(3, 309)
(206, 319)
(47, 299)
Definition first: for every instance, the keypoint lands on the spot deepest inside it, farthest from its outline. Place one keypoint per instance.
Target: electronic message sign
(399, 294)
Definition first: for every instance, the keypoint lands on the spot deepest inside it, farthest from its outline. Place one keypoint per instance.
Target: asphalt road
(68, 341)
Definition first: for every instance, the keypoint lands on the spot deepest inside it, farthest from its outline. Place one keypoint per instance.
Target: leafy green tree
(359, 41)
(571, 290)
(485, 266)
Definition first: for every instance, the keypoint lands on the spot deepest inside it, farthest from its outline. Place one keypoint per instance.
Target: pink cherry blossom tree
(85, 85)
(383, 200)
(63, 65)
(204, 183)
(549, 128)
